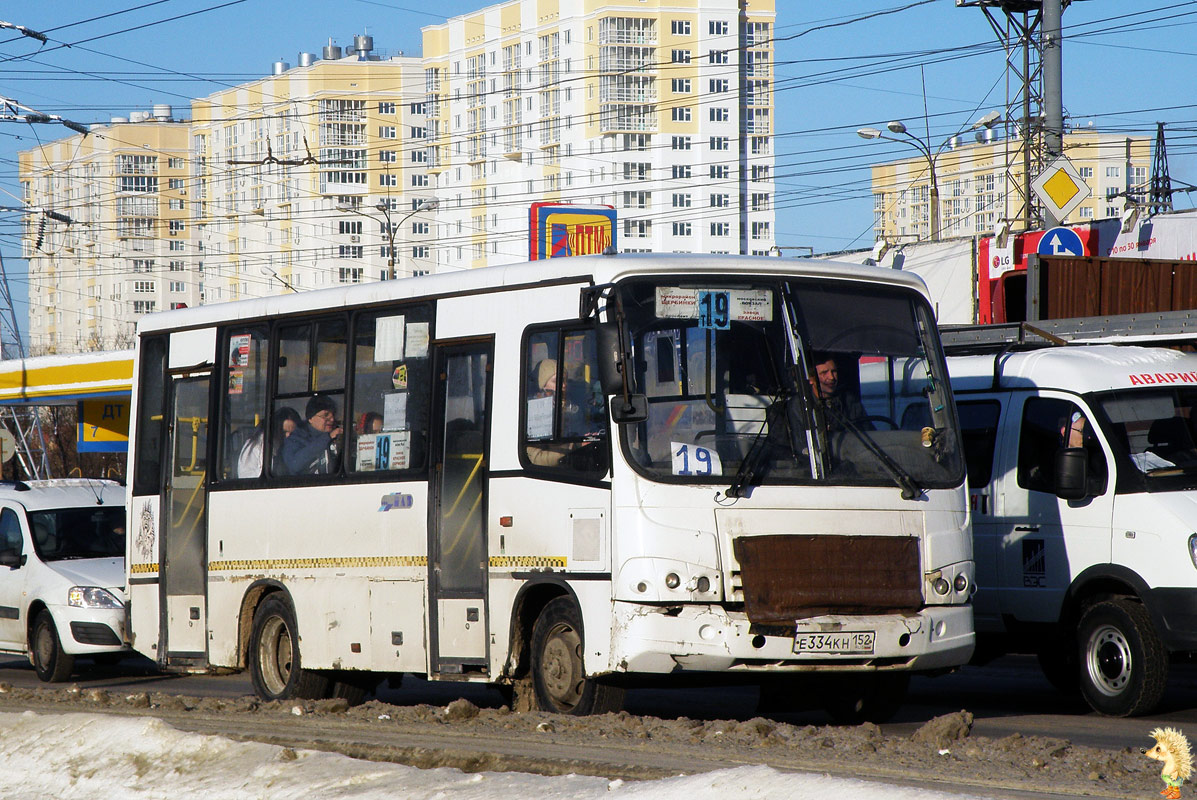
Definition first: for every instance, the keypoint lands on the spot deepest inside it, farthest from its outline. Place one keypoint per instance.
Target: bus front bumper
(707, 638)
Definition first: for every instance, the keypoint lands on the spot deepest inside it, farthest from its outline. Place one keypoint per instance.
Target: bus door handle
(1032, 528)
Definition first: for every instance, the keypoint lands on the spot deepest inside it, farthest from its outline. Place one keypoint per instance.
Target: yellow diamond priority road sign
(1061, 188)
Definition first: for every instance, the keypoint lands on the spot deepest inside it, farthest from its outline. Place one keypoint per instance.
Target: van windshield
(1152, 433)
(70, 533)
(789, 381)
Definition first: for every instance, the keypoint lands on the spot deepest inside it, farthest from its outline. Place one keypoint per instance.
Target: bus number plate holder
(839, 643)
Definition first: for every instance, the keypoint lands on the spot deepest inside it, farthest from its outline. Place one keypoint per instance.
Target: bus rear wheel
(275, 666)
(558, 674)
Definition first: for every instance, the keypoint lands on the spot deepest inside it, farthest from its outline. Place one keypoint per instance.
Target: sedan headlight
(92, 597)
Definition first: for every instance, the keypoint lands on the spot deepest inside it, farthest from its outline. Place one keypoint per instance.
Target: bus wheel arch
(533, 596)
(275, 657)
(245, 621)
(557, 664)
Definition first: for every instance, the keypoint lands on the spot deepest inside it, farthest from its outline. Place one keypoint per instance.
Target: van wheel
(557, 672)
(49, 660)
(1124, 666)
(274, 661)
(867, 698)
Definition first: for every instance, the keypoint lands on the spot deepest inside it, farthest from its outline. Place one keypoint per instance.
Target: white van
(1082, 473)
(62, 572)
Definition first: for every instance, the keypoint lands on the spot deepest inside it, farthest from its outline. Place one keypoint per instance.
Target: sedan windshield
(1151, 431)
(78, 533)
(798, 381)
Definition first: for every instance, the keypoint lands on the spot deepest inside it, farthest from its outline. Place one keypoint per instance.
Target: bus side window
(310, 380)
(388, 427)
(565, 411)
(243, 418)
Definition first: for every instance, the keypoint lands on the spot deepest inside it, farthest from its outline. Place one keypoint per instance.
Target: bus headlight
(92, 597)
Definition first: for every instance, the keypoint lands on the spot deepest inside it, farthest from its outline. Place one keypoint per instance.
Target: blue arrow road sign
(1060, 242)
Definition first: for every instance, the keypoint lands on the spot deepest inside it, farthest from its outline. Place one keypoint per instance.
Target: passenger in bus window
(370, 422)
(249, 461)
(837, 401)
(311, 449)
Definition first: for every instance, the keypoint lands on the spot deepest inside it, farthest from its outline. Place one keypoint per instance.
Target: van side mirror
(11, 559)
(1072, 473)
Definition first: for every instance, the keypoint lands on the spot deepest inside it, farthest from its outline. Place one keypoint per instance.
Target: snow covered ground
(99, 757)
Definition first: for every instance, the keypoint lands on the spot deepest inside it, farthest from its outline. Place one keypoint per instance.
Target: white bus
(448, 475)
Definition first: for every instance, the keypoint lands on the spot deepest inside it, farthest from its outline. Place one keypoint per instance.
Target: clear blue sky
(840, 66)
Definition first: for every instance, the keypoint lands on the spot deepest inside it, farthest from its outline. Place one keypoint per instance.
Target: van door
(457, 580)
(184, 532)
(1043, 541)
(13, 580)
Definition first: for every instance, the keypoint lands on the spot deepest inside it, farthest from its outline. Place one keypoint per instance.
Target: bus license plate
(839, 643)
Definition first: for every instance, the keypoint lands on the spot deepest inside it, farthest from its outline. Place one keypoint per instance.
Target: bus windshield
(1151, 431)
(789, 381)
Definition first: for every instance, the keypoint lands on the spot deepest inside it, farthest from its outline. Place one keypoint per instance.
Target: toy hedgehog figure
(1172, 748)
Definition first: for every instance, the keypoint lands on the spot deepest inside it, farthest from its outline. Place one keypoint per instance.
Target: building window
(680, 57)
(719, 114)
(680, 27)
(388, 180)
(720, 228)
(718, 85)
(719, 143)
(1112, 172)
(717, 57)
(681, 171)
(419, 132)
(419, 251)
(143, 287)
(681, 114)
(419, 180)
(177, 286)
(418, 228)
(760, 201)
(682, 229)
(349, 251)
(720, 201)
(760, 230)
(717, 27)
(719, 171)
(144, 306)
(1085, 172)
(349, 274)
(175, 183)
(680, 85)
(680, 143)
(760, 172)
(387, 132)
(388, 156)
(174, 163)
(681, 200)
(177, 266)
(349, 226)
(176, 226)
(175, 204)
(386, 108)
(419, 156)
(143, 265)
(177, 245)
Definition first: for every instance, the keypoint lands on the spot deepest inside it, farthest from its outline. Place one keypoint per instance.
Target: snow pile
(94, 757)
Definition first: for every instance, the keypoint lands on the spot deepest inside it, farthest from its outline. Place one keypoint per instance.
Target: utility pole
(1053, 100)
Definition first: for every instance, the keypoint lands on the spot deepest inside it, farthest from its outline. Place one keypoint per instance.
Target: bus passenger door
(184, 568)
(457, 548)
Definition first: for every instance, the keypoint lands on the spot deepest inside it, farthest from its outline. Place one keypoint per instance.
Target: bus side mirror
(1072, 473)
(634, 409)
(611, 351)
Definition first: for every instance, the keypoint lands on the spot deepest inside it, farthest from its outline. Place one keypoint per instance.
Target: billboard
(560, 229)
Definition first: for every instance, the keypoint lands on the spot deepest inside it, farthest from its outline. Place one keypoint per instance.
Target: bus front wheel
(558, 674)
(274, 661)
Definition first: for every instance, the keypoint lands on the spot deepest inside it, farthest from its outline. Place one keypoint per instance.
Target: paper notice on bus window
(239, 350)
(417, 340)
(394, 411)
(540, 418)
(365, 452)
(690, 460)
(743, 305)
(388, 338)
(400, 446)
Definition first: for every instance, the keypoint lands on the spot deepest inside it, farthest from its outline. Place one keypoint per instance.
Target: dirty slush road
(941, 753)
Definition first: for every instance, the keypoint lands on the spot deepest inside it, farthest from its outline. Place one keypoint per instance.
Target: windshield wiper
(755, 463)
(911, 489)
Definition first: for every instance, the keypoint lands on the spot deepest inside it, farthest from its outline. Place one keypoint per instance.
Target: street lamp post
(427, 204)
(898, 127)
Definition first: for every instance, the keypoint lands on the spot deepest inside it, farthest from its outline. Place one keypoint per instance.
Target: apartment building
(313, 176)
(661, 109)
(124, 251)
(979, 180)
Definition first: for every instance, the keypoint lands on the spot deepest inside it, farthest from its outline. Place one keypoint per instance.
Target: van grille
(788, 577)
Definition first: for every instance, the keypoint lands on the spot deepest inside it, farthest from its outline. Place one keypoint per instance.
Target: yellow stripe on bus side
(141, 569)
(528, 561)
(318, 563)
